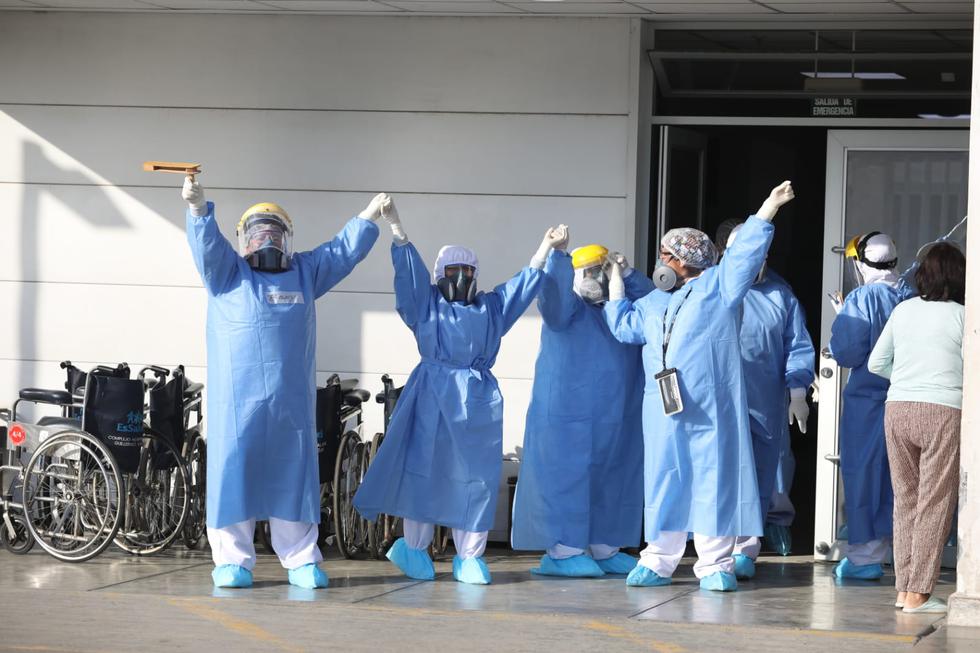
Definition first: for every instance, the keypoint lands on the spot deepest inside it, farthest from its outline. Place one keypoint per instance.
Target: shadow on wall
(101, 212)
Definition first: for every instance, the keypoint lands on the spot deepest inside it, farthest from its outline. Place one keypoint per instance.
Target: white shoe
(931, 606)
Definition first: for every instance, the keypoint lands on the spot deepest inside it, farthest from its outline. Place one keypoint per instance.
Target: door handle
(832, 458)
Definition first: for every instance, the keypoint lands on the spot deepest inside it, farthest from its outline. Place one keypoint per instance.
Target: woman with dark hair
(921, 351)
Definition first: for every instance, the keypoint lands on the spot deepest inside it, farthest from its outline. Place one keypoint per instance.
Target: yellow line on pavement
(234, 624)
(621, 633)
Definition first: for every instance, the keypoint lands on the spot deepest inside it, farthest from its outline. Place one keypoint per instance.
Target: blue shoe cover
(471, 570)
(617, 564)
(231, 576)
(779, 538)
(308, 576)
(414, 563)
(720, 581)
(744, 566)
(847, 569)
(644, 577)
(580, 566)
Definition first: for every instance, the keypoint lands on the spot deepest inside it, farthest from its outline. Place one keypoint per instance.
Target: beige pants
(923, 442)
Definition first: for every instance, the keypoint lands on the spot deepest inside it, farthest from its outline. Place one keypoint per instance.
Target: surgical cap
(880, 249)
(691, 247)
(723, 234)
(454, 255)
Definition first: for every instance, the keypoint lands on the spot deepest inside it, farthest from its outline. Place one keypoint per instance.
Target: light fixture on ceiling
(936, 116)
(844, 75)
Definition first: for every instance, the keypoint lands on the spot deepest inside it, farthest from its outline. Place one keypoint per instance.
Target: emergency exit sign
(833, 107)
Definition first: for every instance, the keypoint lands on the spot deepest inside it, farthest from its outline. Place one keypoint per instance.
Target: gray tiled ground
(167, 602)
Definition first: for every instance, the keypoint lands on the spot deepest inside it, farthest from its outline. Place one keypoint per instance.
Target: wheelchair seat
(64, 422)
(42, 396)
(356, 396)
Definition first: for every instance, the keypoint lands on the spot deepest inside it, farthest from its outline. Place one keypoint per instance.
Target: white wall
(486, 130)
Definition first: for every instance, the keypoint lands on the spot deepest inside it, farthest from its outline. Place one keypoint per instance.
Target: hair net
(693, 248)
(723, 233)
(731, 236)
(880, 249)
(454, 255)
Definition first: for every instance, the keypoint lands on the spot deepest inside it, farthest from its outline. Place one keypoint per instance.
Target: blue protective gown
(441, 458)
(581, 479)
(261, 334)
(777, 355)
(699, 472)
(863, 459)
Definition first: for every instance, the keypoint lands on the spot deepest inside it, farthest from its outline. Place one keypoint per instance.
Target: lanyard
(668, 329)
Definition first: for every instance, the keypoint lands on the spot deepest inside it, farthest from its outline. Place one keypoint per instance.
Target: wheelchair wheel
(349, 469)
(325, 529)
(72, 496)
(381, 533)
(157, 498)
(14, 534)
(440, 541)
(197, 468)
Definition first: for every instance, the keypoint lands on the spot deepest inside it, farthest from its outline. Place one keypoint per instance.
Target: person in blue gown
(868, 500)
(442, 455)
(777, 362)
(698, 464)
(261, 385)
(580, 490)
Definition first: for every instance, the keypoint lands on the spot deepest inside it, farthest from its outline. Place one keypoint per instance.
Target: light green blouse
(921, 351)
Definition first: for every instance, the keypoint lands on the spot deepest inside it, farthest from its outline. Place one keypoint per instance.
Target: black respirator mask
(458, 284)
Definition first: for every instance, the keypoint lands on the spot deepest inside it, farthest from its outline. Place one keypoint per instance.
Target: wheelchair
(383, 532)
(343, 458)
(67, 494)
(175, 410)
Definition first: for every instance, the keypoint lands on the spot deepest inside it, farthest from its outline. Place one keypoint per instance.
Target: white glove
(779, 196)
(621, 263)
(193, 194)
(562, 230)
(836, 301)
(373, 210)
(798, 408)
(390, 215)
(553, 236)
(617, 289)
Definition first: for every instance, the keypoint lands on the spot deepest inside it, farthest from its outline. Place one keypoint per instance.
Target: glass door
(910, 184)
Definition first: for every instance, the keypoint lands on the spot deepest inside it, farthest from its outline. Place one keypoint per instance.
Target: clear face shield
(265, 241)
(592, 283)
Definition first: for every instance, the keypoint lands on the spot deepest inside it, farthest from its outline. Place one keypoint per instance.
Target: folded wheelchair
(98, 473)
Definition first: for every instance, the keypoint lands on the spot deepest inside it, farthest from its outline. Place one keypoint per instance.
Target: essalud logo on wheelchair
(134, 423)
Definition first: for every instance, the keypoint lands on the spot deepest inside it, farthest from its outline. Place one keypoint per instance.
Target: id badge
(670, 391)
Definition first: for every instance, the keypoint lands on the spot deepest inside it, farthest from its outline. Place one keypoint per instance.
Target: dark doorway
(742, 164)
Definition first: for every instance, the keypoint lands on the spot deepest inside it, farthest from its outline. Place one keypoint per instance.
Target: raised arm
(216, 260)
(335, 259)
(744, 258)
(413, 289)
(625, 321)
(557, 300)
(516, 295)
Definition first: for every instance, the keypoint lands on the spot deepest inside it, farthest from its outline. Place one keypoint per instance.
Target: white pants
(293, 541)
(868, 553)
(748, 546)
(665, 553)
(418, 535)
(597, 551)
